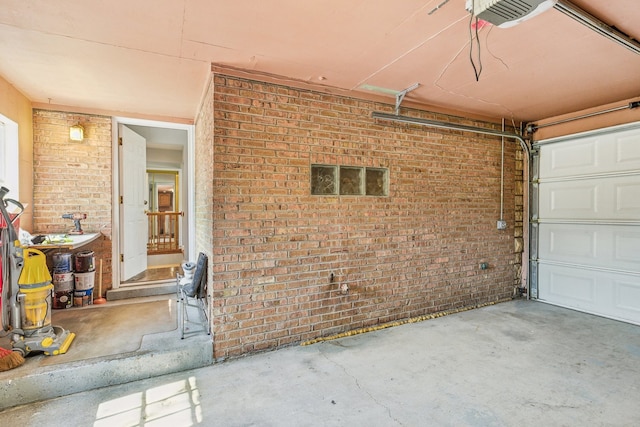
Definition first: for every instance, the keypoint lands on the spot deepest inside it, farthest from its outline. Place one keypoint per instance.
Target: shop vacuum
(27, 293)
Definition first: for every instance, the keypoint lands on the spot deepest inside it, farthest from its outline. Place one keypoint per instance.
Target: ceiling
(154, 57)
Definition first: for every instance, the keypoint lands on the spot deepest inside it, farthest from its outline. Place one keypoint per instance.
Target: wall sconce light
(76, 133)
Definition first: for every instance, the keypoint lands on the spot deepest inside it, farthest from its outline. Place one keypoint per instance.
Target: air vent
(507, 13)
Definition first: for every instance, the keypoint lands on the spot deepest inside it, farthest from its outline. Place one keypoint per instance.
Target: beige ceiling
(153, 57)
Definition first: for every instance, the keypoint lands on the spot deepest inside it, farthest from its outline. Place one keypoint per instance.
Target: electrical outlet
(502, 225)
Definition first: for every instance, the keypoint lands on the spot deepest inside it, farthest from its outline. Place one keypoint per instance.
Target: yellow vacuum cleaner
(27, 295)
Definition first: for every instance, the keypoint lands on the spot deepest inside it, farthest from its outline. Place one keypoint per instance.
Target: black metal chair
(194, 294)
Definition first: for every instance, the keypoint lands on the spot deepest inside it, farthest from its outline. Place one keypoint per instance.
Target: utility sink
(66, 241)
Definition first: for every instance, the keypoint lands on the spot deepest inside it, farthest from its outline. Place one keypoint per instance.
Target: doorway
(165, 203)
(164, 217)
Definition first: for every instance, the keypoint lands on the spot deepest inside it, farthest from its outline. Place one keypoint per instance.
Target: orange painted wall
(17, 107)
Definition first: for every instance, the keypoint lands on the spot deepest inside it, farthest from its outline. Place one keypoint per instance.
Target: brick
(73, 177)
(413, 252)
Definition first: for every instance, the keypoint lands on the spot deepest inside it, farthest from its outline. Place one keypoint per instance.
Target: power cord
(477, 70)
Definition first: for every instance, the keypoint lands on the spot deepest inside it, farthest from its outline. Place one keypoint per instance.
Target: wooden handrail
(164, 232)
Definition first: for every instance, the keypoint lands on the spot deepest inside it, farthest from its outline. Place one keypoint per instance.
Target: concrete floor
(519, 363)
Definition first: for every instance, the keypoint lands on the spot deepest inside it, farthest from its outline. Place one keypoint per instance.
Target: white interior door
(133, 192)
(588, 255)
(9, 156)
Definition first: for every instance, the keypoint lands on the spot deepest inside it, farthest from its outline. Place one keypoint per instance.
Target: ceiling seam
(102, 43)
(408, 52)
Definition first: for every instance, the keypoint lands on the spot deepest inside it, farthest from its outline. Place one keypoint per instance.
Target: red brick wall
(414, 252)
(17, 107)
(73, 177)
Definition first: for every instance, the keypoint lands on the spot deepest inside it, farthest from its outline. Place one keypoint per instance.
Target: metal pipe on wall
(474, 129)
(502, 175)
(451, 126)
(532, 127)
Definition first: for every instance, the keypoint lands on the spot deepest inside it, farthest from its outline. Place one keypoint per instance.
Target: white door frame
(115, 202)
(9, 156)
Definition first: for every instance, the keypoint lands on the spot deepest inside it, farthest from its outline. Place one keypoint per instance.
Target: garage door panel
(605, 246)
(627, 199)
(604, 293)
(589, 155)
(628, 296)
(626, 246)
(566, 283)
(572, 158)
(568, 243)
(585, 232)
(610, 198)
(566, 200)
(627, 148)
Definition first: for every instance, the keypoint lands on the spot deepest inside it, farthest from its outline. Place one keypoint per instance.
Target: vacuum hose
(11, 264)
(6, 295)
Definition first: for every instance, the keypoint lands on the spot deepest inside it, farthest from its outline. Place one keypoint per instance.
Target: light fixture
(76, 132)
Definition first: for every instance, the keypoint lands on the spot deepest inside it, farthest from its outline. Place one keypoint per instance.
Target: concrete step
(140, 291)
(153, 359)
(158, 354)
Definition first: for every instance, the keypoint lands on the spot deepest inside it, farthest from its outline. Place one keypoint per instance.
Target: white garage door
(586, 223)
